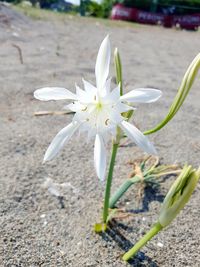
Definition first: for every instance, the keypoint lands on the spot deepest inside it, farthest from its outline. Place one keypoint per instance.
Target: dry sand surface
(36, 228)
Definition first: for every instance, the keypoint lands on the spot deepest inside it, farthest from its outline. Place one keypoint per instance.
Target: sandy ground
(36, 230)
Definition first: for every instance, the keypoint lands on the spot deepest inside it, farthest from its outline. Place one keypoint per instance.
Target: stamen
(84, 109)
(106, 122)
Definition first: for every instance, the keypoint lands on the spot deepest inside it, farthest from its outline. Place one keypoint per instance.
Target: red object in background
(168, 21)
(150, 18)
(190, 22)
(120, 12)
(125, 13)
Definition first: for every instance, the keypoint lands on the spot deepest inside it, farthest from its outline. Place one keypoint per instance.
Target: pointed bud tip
(106, 40)
(45, 160)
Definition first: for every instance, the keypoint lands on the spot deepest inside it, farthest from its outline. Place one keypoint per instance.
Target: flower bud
(182, 93)
(118, 69)
(178, 195)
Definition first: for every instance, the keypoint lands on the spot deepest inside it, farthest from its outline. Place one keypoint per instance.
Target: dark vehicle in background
(61, 6)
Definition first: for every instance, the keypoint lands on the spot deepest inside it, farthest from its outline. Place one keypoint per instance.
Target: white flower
(98, 111)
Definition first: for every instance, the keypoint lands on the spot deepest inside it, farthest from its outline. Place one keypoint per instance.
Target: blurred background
(178, 13)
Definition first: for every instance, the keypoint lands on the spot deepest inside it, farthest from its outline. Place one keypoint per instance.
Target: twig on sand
(43, 113)
(20, 53)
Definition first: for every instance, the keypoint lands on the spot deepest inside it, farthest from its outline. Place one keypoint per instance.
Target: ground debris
(49, 112)
(20, 53)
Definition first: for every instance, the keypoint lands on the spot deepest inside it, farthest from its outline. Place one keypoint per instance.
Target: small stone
(160, 245)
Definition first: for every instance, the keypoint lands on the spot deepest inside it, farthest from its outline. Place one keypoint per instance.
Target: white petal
(75, 107)
(53, 93)
(79, 92)
(113, 96)
(107, 85)
(142, 95)
(100, 157)
(102, 63)
(59, 140)
(120, 107)
(83, 96)
(106, 89)
(90, 133)
(89, 88)
(116, 118)
(136, 136)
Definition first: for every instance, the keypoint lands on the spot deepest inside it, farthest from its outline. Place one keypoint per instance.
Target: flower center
(99, 106)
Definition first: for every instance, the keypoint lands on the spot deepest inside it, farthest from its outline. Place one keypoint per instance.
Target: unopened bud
(178, 195)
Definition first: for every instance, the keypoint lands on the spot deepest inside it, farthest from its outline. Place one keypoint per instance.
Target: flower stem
(109, 183)
(122, 189)
(181, 95)
(153, 231)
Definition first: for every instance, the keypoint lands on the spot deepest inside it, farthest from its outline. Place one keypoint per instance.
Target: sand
(36, 228)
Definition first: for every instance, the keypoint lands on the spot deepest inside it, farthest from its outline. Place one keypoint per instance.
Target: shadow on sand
(151, 193)
(114, 233)
(140, 260)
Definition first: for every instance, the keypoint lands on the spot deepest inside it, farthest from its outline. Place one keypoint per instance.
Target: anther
(106, 122)
(84, 109)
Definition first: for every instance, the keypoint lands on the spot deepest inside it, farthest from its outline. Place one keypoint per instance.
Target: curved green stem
(153, 231)
(122, 189)
(181, 95)
(109, 183)
(136, 179)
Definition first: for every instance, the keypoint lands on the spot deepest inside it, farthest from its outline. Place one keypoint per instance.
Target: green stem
(153, 231)
(122, 189)
(109, 183)
(181, 95)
